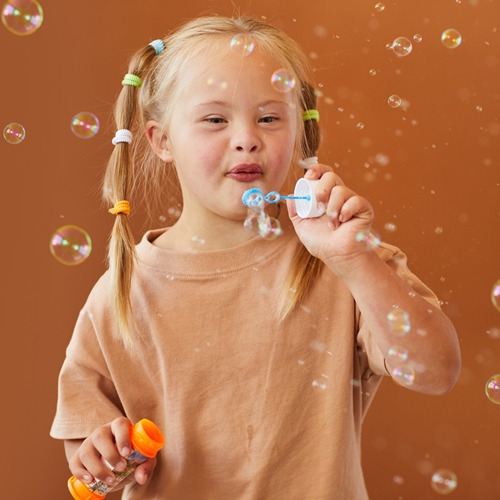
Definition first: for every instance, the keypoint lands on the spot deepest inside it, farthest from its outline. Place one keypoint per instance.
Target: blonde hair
(137, 168)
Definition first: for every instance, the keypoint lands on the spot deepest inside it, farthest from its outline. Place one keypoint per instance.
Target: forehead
(229, 74)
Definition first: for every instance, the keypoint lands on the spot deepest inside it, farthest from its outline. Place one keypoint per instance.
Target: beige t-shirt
(250, 408)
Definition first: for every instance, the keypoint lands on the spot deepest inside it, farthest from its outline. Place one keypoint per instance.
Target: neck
(198, 234)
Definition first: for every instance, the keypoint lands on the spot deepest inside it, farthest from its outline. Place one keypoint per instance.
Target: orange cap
(79, 490)
(146, 438)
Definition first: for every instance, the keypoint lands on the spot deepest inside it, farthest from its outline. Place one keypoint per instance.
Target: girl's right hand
(110, 442)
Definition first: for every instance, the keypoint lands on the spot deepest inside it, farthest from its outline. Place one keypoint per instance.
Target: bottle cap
(79, 490)
(306, 208)
(146, 438)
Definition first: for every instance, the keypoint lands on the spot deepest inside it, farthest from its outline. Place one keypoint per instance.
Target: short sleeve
(372, 360)
(87, 397)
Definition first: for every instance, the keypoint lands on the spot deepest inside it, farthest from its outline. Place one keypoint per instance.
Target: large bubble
(451, 38)
(70, 245)
(22, 17)
(242, 44)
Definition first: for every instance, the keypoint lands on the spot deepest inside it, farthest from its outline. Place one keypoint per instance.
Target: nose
(246, 138)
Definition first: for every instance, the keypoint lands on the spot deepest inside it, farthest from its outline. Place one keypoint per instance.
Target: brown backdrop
(440, 188)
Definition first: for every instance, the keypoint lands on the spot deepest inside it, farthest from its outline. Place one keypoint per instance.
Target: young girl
(257, 357)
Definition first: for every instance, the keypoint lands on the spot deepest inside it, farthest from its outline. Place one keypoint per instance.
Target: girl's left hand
(332, 237)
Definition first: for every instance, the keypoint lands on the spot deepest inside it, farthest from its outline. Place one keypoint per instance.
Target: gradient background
(444, 172)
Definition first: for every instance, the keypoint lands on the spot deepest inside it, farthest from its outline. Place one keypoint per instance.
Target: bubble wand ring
(253, 197)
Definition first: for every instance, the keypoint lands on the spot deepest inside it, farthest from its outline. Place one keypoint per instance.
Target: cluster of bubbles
(444, 481)
(493, 389)
(70, 245)
(495, 295)
(14, 133)
(282, 80)
(85, 125)
(402, 46)
(402, 372)
(242, 45)
(258, 221)
(22, 17)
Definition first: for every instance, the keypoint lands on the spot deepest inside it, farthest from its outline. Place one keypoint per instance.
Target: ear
(159, 141)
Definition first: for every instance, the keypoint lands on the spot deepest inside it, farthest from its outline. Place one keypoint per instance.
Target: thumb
(145, 470)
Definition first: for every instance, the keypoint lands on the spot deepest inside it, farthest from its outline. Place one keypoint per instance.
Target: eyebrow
(229, 105)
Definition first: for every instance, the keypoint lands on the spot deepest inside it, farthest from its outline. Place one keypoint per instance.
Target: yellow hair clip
(121, 207)
(310, 114)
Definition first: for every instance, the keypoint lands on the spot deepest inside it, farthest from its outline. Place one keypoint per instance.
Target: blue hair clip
(158, 45)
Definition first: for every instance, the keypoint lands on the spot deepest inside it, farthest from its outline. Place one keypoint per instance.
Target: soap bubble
(370, 239)
(444, 481)
(269, 228)
(451, 38)
(417, 38)
(373, 72)
(85, 125)
(242, 44)
(360, 126)
(282, 80)
(399, 321)
(70, 245)
(495, 295)
(401, 46)
(403, 375)
(319, 384)
(493, 389)
(379, 7)
(22, 17)
(389, 226)
(397, 354)
(14, 133)
(394, 101)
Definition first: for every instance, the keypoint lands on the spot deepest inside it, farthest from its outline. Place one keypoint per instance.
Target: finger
(325, 186)
(338, 197)
(87, 464)
(292, 211)
(145, 470)
(355, 206)
(317, 170)
(120, 427)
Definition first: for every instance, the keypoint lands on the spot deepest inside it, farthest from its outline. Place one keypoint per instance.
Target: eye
(268, 119)
(215, 119)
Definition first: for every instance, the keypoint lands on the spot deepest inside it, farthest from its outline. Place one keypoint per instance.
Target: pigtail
(118, 183)
(305, 267)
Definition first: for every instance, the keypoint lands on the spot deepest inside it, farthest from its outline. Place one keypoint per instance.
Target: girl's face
(230, 130)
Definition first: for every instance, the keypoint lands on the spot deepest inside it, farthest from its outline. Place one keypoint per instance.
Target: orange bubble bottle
(146, 439)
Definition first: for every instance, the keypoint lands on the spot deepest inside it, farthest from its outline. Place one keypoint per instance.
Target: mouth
(245, 172)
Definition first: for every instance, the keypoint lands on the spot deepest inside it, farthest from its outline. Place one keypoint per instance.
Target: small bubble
(479, 108)
(85, 125)
(495, 295)
(438, 230)
(14, 133)
(320, 31)
(404, 375)
(319, 385)
(401, 46)
(162, 219)
(451, 38)
(417, 38)
(397, 354)
(379, 7)
(313, 55)
(399, 321)
(370, 239)
(388, 46)
(444, 481)
(493, 389)
(382, 159)
(373, 72)
(242, 44)
(394, 101)
(398, 479)
(360, 126)
(282, 80)
(389, 226)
